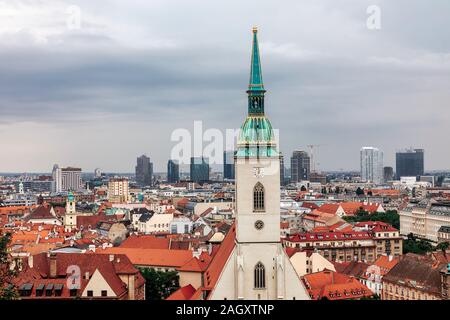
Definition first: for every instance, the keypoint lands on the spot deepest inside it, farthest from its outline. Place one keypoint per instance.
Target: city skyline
(322, 64)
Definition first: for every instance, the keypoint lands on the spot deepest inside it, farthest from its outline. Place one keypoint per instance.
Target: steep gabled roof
(215, 268)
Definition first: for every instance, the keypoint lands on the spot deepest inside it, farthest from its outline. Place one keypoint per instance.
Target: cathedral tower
(258, 267)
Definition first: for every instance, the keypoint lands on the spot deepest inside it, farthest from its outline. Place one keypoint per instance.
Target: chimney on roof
(53, 267)
(196, 253)
(210, 248)
(111, 258)
(390, 258)
(30, 261)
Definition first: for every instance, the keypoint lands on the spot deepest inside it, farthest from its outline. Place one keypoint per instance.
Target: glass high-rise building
(228, 164)
(409, 163)
(371, 161)
(144, 171)
(173, 171)
(199, 169)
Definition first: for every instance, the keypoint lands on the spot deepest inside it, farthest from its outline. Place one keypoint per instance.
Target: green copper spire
(256, 81)
(256, 137)
(255, 87)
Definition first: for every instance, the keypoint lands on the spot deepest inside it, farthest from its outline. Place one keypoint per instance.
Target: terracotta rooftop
(152, 257)
(183, 293)
(334, 286)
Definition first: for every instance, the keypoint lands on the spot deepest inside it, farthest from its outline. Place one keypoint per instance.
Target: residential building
(57, 179)
(100, 277)
(414, 277)
(371, 161)
(424, 219)
(409, 163)
(306, 262)
(374, 273)
(144, 171)
(181, 225)
(444, 234)
(157, 223)
(336, 246)
(118, 190)
(300, 166)
(387, 238)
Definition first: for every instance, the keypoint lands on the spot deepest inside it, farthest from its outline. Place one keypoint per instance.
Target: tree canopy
(390, 216)
(7, 289)
(159, 284)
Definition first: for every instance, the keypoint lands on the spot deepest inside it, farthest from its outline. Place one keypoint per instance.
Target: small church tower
(70, 218)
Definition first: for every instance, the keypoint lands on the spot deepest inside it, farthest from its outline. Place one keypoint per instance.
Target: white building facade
(371, 161)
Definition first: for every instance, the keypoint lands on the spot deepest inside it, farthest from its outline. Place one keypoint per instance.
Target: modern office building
(388, 174)
(371, 161)
(409, 163)
(228, 165)
(173, 171)
(282, 179)
(144, 171)
(66, 179)
(199, 169)
(300, 166)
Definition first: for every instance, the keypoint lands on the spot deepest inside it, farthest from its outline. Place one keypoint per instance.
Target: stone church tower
(258, 267)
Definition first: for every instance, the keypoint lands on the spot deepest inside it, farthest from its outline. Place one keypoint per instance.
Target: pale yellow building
(118, 190)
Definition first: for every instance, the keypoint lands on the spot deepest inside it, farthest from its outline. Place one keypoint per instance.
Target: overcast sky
(135, 70)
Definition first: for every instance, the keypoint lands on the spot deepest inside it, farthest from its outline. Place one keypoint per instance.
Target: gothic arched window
(260, 276)
(258, 197)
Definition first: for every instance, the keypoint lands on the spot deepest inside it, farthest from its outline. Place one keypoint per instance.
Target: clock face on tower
(258, 172)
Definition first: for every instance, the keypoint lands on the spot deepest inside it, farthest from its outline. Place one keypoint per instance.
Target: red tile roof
(145, 242)
(195, 264)
(109, 266)
(328, 208)
(334, 286)
(184, 293)
(218, 263)
(152, 257)
(329, 236)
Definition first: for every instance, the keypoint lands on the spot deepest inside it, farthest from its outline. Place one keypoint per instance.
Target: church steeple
(255, 87)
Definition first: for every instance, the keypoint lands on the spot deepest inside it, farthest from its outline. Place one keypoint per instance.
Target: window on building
(90, 293)
(104, 293)
(260, 276)
(258, 197)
